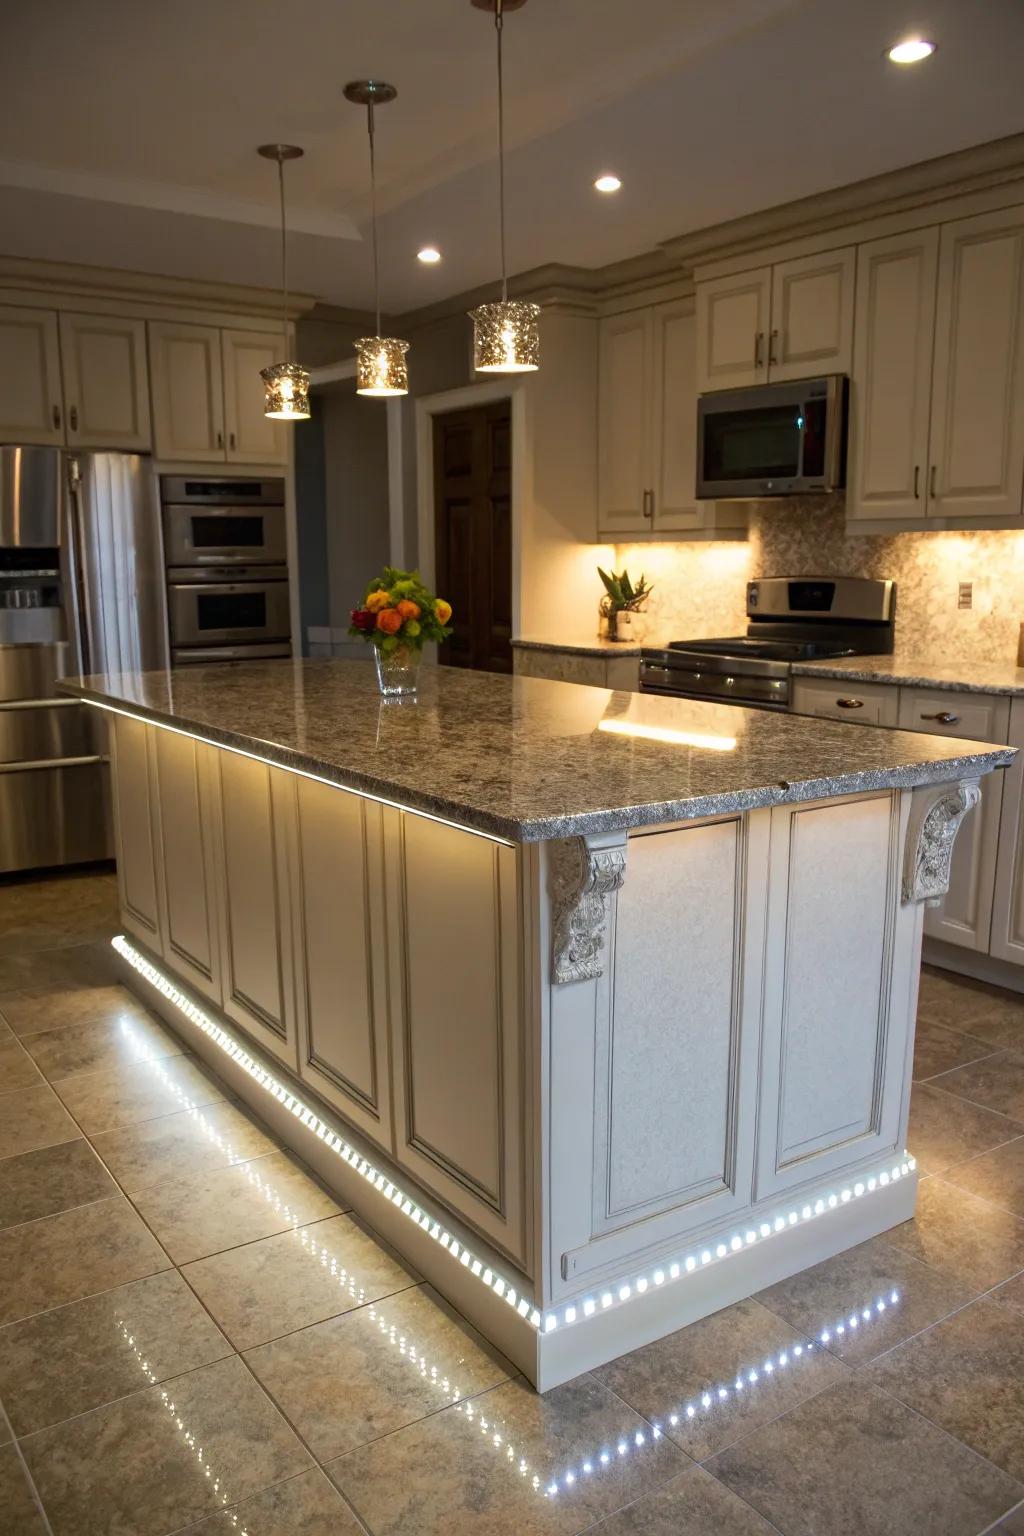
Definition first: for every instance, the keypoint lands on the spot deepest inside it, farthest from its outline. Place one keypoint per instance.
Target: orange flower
(443, 610)
(408, 609)
(378, 600)
(389, 620)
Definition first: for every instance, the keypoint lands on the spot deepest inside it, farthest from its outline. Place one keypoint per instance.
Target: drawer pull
(944, 717)
(850, 703)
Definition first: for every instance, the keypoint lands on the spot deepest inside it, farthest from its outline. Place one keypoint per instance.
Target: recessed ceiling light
(911, 51)
(429, 255)
(607, 184)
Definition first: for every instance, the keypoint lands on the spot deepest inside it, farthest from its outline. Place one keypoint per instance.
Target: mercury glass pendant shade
(506, 337)
(380, 366)
(287, 392)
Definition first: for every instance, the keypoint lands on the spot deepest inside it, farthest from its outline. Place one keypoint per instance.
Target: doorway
(473, 533)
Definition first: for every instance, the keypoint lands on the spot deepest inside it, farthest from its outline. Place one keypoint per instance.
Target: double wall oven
(227, 568)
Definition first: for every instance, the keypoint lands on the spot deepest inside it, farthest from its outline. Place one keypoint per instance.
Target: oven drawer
(856, 703)
(205, 535)
(227, 612)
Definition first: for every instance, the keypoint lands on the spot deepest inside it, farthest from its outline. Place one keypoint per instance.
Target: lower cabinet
(132, 760)
(185, 783)
(1007, 941)
(854, 703)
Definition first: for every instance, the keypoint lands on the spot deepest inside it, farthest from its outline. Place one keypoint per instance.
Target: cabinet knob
(56, 416)
(850, 703)
(917, 482)
(932, 491)
(220, 439)
(73, 418)
(231, 440)
(772, 349)
(944, 717)
(649, 506)
(759, 350)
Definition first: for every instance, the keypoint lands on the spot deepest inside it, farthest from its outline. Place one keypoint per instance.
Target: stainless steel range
(790, 618)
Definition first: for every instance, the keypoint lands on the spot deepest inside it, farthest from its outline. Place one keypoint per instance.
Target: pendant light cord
(373, 213)
(498, 27)
(284, 261)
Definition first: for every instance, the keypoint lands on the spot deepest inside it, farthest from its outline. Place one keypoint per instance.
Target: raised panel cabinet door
(254, 807)
(251, 438)
(1007, 941)
(31, 404)
(811, 329)
(977, 442)
(964, 915)
(854, 703)
(191, 940)
(732, 327)
(341, 953)
(890, 385)
(462, 1114)
(136, 834)
(106, 391)
(188, 392)
(625, 346)
(676, 508)
(836, 1003)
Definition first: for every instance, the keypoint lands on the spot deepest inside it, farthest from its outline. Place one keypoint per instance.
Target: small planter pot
(397, 671)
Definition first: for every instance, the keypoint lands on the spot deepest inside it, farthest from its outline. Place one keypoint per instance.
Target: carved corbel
(583, 875)
(935, 817)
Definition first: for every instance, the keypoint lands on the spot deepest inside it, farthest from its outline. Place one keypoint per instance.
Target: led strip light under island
(597, 1060)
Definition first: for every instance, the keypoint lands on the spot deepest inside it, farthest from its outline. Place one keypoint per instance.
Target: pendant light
(506, 337)
(287, 383)
(380, 360)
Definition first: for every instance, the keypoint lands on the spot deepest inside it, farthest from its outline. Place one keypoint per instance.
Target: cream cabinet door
(852, 702)
(341, 952)
(812, 316)
(732, 325)
(977, 443)
(132, 755)
(625, 352)
(30, 392)
(1007, 942)
(890, 386)
(106, 392)
(964, 916)
(676, 508)
(251, 438)
(188, 392)
(185, 777)
(253, 806)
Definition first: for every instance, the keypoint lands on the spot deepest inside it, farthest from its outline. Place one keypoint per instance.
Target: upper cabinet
(793, 320)
(103, 401)
(626, 346)
(208, 395)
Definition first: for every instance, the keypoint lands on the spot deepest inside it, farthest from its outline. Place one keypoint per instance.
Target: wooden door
(30, 393)
(251, 438)
(473, 533)
(964, 915)
(890, 386)
(977, 443)
(188, 392)
(812, 316)
(625, 373)
(106, 391)
(732, 325)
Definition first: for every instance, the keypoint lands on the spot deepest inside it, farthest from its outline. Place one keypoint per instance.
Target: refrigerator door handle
(27, 765)
(75, 581)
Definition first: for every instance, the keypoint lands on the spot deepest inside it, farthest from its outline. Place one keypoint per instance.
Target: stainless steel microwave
(772, 439)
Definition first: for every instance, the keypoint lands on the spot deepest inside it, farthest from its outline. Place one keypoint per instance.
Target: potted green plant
(397, 617)
(622, 598)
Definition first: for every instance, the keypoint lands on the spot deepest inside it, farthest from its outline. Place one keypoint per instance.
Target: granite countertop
(526, 759)
(910, 671)
(582, 645)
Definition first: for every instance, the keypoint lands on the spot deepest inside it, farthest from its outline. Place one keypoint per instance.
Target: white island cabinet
(598, 1006)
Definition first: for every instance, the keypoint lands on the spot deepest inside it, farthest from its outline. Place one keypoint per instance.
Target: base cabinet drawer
(856, 703)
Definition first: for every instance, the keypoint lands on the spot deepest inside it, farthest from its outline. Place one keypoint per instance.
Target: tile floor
(194, 1336)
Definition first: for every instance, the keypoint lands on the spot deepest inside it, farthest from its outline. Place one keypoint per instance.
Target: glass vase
(397, 670)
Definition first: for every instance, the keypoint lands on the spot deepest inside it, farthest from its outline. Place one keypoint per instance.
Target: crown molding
(72, 280)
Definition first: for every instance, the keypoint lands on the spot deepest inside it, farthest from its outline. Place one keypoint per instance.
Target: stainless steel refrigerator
(81, 590)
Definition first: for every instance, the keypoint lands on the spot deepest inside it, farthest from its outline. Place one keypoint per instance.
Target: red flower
(362, 618)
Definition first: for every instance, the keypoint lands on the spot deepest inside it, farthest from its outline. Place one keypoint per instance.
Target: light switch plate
(965, 594)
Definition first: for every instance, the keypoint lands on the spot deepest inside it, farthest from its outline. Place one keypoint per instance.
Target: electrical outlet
(965, 594)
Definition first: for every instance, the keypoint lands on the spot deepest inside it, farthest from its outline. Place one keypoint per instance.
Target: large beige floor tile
(510, 1463)
(939, 1049)
(57, 910)
(996, 1082)
(17, 1069)
(19, 1512)
(90, 964)
(960, 1002)
(307, 1505)
(95, 1044)
(62, 1258)
(692, 1504)
(200, 1215)
(855, 1462)
(713, 1382)
(1011, 1293)
(136, 1091)
(52, 1179)
(829, 1300)
(133, 1468)
(967, 1375)
(31, 1118)
(399, 1359)
(997, 1176)
(946, 1130)
(58, 1005)
(300, 1277)
(182, 1145)
(1012, 1524)
(73, 1358)
(976, 1242)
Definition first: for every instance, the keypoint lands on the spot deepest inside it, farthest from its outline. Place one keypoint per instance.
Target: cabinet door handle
(773, 338)
(231, 440)
(759, 349)
(931, 483)
(56, 416)
(220, 439)
(850, 703)
(917, 482)
(944, 717)
(649, 505)
(73, 418)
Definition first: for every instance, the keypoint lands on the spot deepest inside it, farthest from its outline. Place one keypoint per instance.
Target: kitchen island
(599, 1006)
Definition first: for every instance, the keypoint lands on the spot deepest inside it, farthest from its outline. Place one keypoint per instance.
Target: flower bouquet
(397, 617)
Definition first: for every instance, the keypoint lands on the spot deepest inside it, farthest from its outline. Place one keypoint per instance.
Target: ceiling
(128, 130)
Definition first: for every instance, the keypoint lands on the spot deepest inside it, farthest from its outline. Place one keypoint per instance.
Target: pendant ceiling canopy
(286, 384)
(381, 368)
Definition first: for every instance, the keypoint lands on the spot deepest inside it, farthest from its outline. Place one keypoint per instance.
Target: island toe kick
(593, 1088)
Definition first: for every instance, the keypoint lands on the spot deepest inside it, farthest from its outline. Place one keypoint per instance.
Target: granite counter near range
(906, 669)
(599, 1006)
